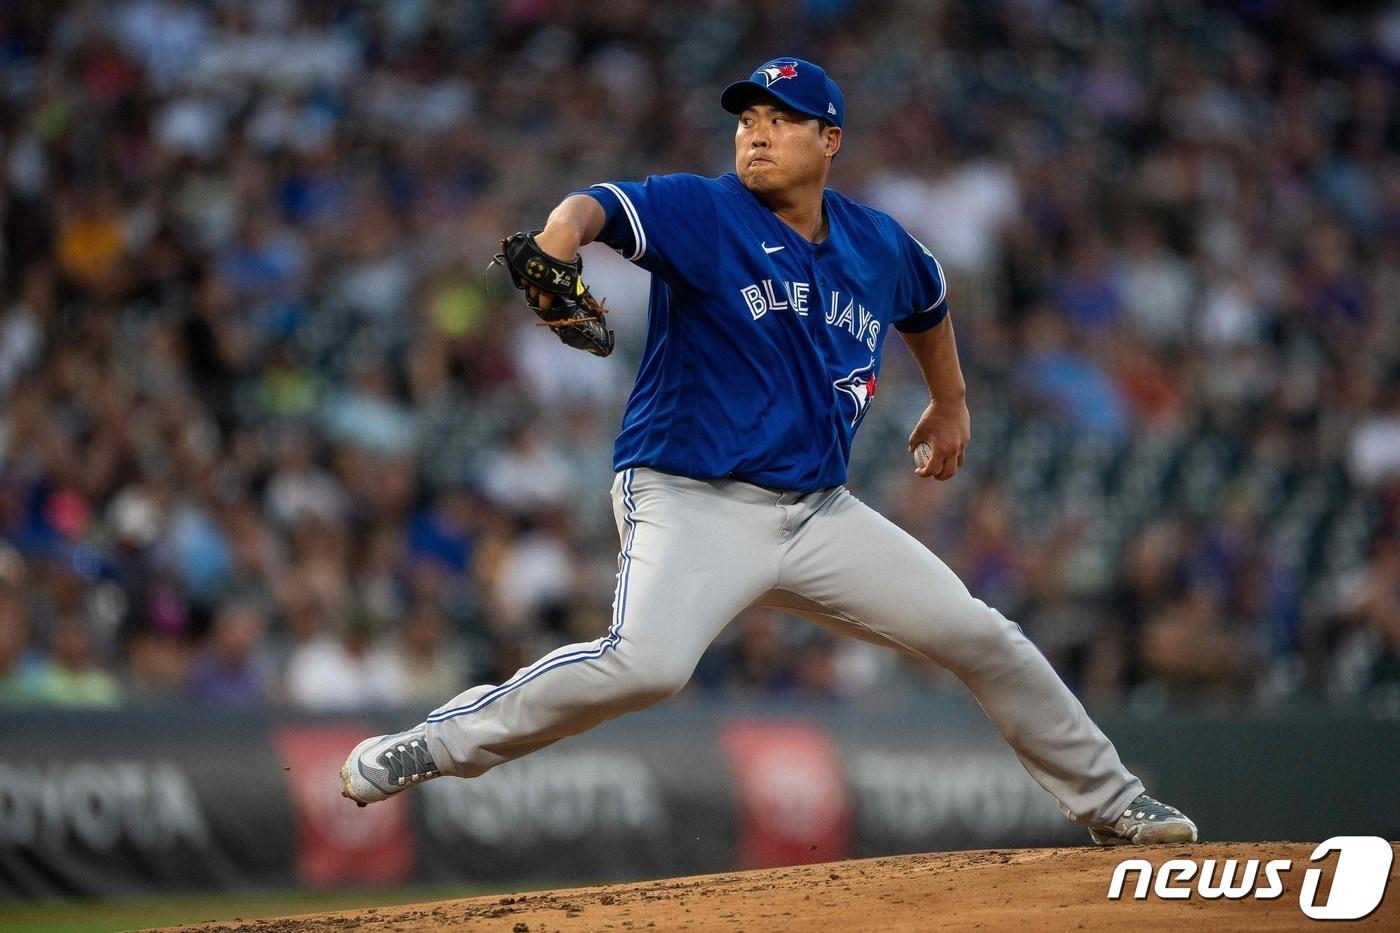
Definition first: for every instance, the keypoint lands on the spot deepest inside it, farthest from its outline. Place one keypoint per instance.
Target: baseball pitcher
(771, 300)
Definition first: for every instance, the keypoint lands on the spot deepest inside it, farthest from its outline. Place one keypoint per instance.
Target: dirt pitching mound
(1036, 889)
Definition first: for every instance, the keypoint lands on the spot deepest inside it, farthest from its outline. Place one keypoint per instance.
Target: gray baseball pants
(695, 553)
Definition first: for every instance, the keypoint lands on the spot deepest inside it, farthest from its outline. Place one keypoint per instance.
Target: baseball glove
(573, 314)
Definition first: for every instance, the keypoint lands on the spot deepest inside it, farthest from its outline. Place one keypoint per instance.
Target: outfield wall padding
(186, 799)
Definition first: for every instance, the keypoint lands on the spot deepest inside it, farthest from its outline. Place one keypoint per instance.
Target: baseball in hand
(922, 454)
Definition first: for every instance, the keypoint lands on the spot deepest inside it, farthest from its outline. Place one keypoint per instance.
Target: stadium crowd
(270, 434)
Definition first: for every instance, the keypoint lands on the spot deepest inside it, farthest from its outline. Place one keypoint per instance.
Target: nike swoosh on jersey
(770, 249)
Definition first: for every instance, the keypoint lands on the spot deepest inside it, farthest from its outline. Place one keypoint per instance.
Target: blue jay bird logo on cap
(777, 71)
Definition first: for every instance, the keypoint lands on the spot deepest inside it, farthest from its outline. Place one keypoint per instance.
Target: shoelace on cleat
(1149, 809)
(409, 762)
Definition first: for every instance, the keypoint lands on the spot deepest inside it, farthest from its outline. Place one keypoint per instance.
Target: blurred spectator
(72, 675)
(815, 669)
(92, 241)
(1086, 292)
(23, 325)
(1375, 441)
(1071, 385)
(157, 668)
(367, 413)
(981, 193)
(760, 659)
(1068, 630)
(232, 670)
(299, 487)
(1156, 285)
(19, 662)
(1379, 607)
(1187, 645)
(1150, 580)
(529, 473)
(346, 671)
(531, 575)
(993, 567)
(447, 531)
(1367, 650)
(434, 663)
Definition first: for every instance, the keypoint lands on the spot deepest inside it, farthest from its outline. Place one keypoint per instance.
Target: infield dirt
(1020, 889)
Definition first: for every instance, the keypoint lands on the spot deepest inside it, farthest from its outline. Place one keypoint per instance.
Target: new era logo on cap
(831, 108)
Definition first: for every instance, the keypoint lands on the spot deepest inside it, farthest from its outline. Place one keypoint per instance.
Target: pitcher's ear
(832, 142)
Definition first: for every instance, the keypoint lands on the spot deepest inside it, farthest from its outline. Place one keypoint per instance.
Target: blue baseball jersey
(763, 349)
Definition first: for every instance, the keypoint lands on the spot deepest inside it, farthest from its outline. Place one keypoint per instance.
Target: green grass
(87, 915)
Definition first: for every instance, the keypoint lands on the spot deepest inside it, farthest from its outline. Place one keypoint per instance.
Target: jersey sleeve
(921, 292)
(666, 224)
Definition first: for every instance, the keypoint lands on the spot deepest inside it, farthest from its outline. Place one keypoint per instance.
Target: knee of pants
(649, 680)
(987, 641)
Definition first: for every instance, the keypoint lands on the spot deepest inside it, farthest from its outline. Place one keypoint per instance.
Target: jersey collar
(828, 202)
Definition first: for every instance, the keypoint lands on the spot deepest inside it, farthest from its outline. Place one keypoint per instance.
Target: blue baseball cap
(801, 85)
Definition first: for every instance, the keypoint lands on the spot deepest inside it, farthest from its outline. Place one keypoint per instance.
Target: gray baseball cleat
(383, 765)
(1145, 822)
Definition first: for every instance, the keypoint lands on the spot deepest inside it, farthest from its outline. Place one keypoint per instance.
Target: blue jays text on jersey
(763, 349)
(764, 298)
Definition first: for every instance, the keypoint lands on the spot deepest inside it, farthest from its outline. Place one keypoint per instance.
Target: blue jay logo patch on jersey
(776, 72)
(859, 387)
